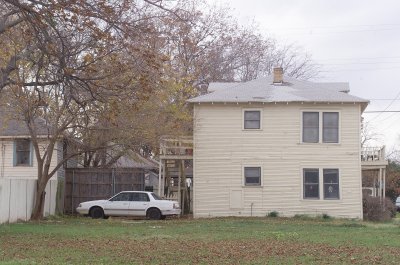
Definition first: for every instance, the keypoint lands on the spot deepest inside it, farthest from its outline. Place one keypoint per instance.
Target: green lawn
(206, 241)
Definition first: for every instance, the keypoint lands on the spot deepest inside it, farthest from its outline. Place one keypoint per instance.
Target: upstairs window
(326, 124)
(252, 176)
(310, 127)
(252, 119)
(330, 132)
(22, 152)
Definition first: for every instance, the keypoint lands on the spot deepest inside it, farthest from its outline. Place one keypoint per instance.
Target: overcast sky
(354, 41)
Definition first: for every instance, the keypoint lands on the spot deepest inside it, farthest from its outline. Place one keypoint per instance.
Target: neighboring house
(277, 144)
(18, 170)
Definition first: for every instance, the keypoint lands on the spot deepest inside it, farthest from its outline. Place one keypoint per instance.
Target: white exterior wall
(222, 148)
(18, 186)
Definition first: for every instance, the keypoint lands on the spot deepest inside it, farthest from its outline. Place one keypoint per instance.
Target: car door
(118, 205)
(139, 203)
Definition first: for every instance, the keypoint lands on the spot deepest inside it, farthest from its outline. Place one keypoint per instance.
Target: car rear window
(155, 196)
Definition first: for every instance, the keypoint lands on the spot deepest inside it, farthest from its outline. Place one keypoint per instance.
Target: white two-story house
(277, 144)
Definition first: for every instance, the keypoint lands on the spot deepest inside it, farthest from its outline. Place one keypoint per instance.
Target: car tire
(96, 213)
(154, 214)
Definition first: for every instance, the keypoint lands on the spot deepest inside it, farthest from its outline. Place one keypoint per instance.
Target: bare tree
(205, 43)
(369, 135)
(65, 63)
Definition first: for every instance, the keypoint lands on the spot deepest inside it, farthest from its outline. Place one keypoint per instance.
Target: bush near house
(378, 209)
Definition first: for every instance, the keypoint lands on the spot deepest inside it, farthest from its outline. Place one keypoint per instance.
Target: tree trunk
(38, 209)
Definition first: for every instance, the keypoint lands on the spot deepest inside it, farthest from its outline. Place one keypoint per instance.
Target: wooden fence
(87, 184)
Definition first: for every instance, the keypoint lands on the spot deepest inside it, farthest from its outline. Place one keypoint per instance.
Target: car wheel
(154, 214)
(96, 213)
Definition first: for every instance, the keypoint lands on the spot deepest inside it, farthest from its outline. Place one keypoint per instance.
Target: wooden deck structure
(176, 172)
(373, 167)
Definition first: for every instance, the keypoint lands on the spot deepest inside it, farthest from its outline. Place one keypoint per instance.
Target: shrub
(378, 209)
(326, 216)
(273, 214)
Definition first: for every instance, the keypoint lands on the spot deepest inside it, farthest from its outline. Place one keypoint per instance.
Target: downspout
(3, 151)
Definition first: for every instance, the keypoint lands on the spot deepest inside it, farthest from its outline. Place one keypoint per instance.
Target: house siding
(18, 186)
(222, 148)
(9, 170)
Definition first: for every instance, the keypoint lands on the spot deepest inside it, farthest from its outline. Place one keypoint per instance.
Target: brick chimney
(278, 75)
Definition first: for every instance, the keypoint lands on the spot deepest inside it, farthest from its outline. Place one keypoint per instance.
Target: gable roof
(291, 90)
(10, 126)
(135, 160)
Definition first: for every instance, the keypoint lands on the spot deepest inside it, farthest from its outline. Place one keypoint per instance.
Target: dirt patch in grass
(171, 251)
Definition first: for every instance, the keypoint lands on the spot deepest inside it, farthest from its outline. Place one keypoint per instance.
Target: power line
(390, 104)
(383, 99)
(390, 125)
(337, 26)
(312, 32)
(360, 63)
(389, 117)
(360, 58)
(381, 111)
(358, 70)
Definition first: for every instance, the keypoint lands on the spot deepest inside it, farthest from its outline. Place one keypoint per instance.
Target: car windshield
(155, 196)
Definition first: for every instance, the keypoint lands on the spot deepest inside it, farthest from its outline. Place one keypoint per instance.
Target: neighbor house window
(330, 131)
(331, 184)
(22, 152)
(252, 176)
(310, 127)
(316, 124)
(311, 183)
(252, 119)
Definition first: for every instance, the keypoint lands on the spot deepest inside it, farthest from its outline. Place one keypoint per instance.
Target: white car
(130, 203)
(398, 204)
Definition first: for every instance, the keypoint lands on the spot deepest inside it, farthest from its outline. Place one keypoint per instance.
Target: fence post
(143, 175)
(113, 180)
(72, 191)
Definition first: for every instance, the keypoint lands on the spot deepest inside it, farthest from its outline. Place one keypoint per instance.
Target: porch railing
(373, 153)
(179, 146)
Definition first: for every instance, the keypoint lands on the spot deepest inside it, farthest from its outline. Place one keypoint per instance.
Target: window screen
(310, 127)
(311, 183)
(252, 119)
(22, 152)
(252, 176)
(330, 127)
(331, 184)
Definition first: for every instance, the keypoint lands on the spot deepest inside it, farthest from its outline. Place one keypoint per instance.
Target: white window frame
(321, 183)
(15, 153)
(339, 182)
(261, 118)
(321, 125)
(261, 176)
